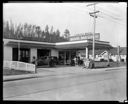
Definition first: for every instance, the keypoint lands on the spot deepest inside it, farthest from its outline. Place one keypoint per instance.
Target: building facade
(23, 50)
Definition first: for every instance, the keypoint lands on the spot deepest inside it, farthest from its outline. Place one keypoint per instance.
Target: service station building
(64, 51)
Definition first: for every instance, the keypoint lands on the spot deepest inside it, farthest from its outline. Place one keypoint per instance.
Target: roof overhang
(60, 45)
(82, 44)
(28, 44)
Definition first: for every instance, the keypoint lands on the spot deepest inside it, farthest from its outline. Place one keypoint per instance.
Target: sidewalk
(25, 76)
(44, 72)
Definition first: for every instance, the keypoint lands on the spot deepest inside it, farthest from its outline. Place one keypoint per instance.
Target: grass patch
(7, 72)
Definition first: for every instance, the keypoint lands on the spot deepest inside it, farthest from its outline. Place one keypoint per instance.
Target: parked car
(42, 61)
(47, 60)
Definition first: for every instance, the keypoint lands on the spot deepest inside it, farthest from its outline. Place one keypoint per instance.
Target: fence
(19, 65)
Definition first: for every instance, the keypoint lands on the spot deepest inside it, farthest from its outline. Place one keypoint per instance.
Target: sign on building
(84, 36)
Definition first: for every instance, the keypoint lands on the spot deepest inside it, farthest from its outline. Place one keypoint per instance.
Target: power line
(114, 19)
(103, 15)
(107, 11)
(110, 16)
(107, 14)
(110, 20)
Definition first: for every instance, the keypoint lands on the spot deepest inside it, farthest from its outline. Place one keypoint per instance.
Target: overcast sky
(111, 21)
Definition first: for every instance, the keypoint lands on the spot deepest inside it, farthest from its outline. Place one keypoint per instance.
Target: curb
(21, 77)
(113, 68)
(27, 76)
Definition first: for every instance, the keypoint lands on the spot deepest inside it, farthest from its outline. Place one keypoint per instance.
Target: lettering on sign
(85, 36)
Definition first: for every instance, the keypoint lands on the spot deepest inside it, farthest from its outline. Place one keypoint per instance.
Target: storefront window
(24, 54)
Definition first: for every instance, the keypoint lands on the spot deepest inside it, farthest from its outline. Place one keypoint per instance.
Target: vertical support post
(35, 68)
(86, 52)
(18, 51)
(70, 56)
(108, 58)
(64, 57)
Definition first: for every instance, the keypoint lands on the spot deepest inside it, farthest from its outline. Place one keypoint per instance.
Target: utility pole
(93, 14)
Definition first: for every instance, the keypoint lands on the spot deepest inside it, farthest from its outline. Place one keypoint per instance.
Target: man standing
(34, 61)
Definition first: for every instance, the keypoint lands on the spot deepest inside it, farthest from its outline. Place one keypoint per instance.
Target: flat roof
(28, 44)
(59, 45)
(27, 41)
(82, 44)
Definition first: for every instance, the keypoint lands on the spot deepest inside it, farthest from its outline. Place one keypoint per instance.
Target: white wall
(54, 52)
(7, 53)
(33, 52)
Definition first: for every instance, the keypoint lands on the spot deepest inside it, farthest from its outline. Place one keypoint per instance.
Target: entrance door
(61, 57)
(25, 55)
(15, 54)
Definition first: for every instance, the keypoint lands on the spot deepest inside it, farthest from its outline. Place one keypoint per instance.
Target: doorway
(65, 56)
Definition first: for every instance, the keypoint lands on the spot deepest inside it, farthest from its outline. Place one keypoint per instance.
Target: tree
(6, 29)
(43, 34)
(25, 29)
(66, 34)
(51, 31)
(48, 39)
(57, 33)
(46, 29)
(29, 30)
(18, 32)
(34, 31)
(38, 31)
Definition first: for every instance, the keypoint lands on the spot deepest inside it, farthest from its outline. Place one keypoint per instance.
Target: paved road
(83, 85)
